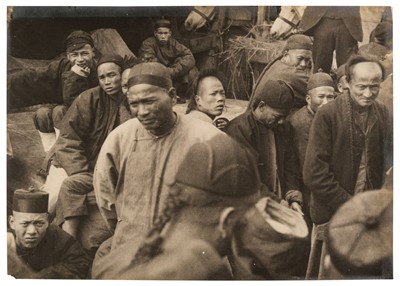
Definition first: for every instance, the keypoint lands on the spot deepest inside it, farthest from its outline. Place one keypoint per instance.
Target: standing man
(59, 83)
(141, 157)
(91, 117)
(334, 29)
(176, 57)
(293, 67)
(346, 150)
(320, 91)
(262, 130)
(37, 249)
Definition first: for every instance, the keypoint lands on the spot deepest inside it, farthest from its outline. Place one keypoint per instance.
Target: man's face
(300, 59)
(210, 97)
(82, 57)
(124, 81)
(364, 83)
(30, 228)
(272, 117)
(152, 105)
(109, 75)
(320, 96)
(163, 35)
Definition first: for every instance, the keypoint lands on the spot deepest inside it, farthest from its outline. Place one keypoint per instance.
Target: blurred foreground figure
(209, 211)
(360, 238)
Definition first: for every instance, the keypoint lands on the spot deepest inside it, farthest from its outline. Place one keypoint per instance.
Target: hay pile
(240, 54)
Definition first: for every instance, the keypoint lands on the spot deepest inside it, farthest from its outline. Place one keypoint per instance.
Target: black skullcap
(77, 39)
(319, 79)
(111, 58)
(299, 42)
(30, 201)
(151, 73)
(276, 94)
(162, 23)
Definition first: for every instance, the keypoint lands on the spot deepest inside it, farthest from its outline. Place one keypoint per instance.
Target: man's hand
(296, 207)
(221, 123)
(16, 266)
(81, 71)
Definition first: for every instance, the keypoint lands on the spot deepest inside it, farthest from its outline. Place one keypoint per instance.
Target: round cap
(30, 201)
(299, 42)
(151, 73)
(276, 94)
(162, 23)
(77, 39)
(220, 167)
(360, 234)
(111, 58)
(319, 79)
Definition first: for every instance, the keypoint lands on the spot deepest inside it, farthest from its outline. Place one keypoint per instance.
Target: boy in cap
(262, 130)
(341, 83)
(293, 66)
(346, 152)
(59, 83)
(320, 91)
(37, 249)
(91, 117)
(130, 197)
(176, 57)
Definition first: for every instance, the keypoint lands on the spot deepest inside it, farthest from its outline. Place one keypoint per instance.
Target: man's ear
(261, 105)
(11, 222)
(172, 94)
(308, 98)
(226, 221)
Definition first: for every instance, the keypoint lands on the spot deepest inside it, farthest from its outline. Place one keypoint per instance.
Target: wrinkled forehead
(146, 90)
(29, 216)
(300, 53)
(366, 71)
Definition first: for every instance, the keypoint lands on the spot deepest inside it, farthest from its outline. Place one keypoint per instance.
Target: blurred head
(341, 82)
(80, 49)
(109, 69)
(364, 75)
(273, 104)
(298, 52)
(162, 31)
(29, 220)
(320, 90)
(124, 80)
(151, 97)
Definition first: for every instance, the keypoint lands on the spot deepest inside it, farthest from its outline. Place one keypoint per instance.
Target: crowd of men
(189, 196)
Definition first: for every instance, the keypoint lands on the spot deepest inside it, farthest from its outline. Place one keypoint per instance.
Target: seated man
(59, 83)
(37, 249)
(140, 157)
(208, 98)
(91, 117)
(176, 57)
(293, 67)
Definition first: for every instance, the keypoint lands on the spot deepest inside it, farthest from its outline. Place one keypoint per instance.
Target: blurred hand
(81, 71)
(221, 123)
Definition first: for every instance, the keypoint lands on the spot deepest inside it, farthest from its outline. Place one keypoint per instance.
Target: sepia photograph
(201, 143)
